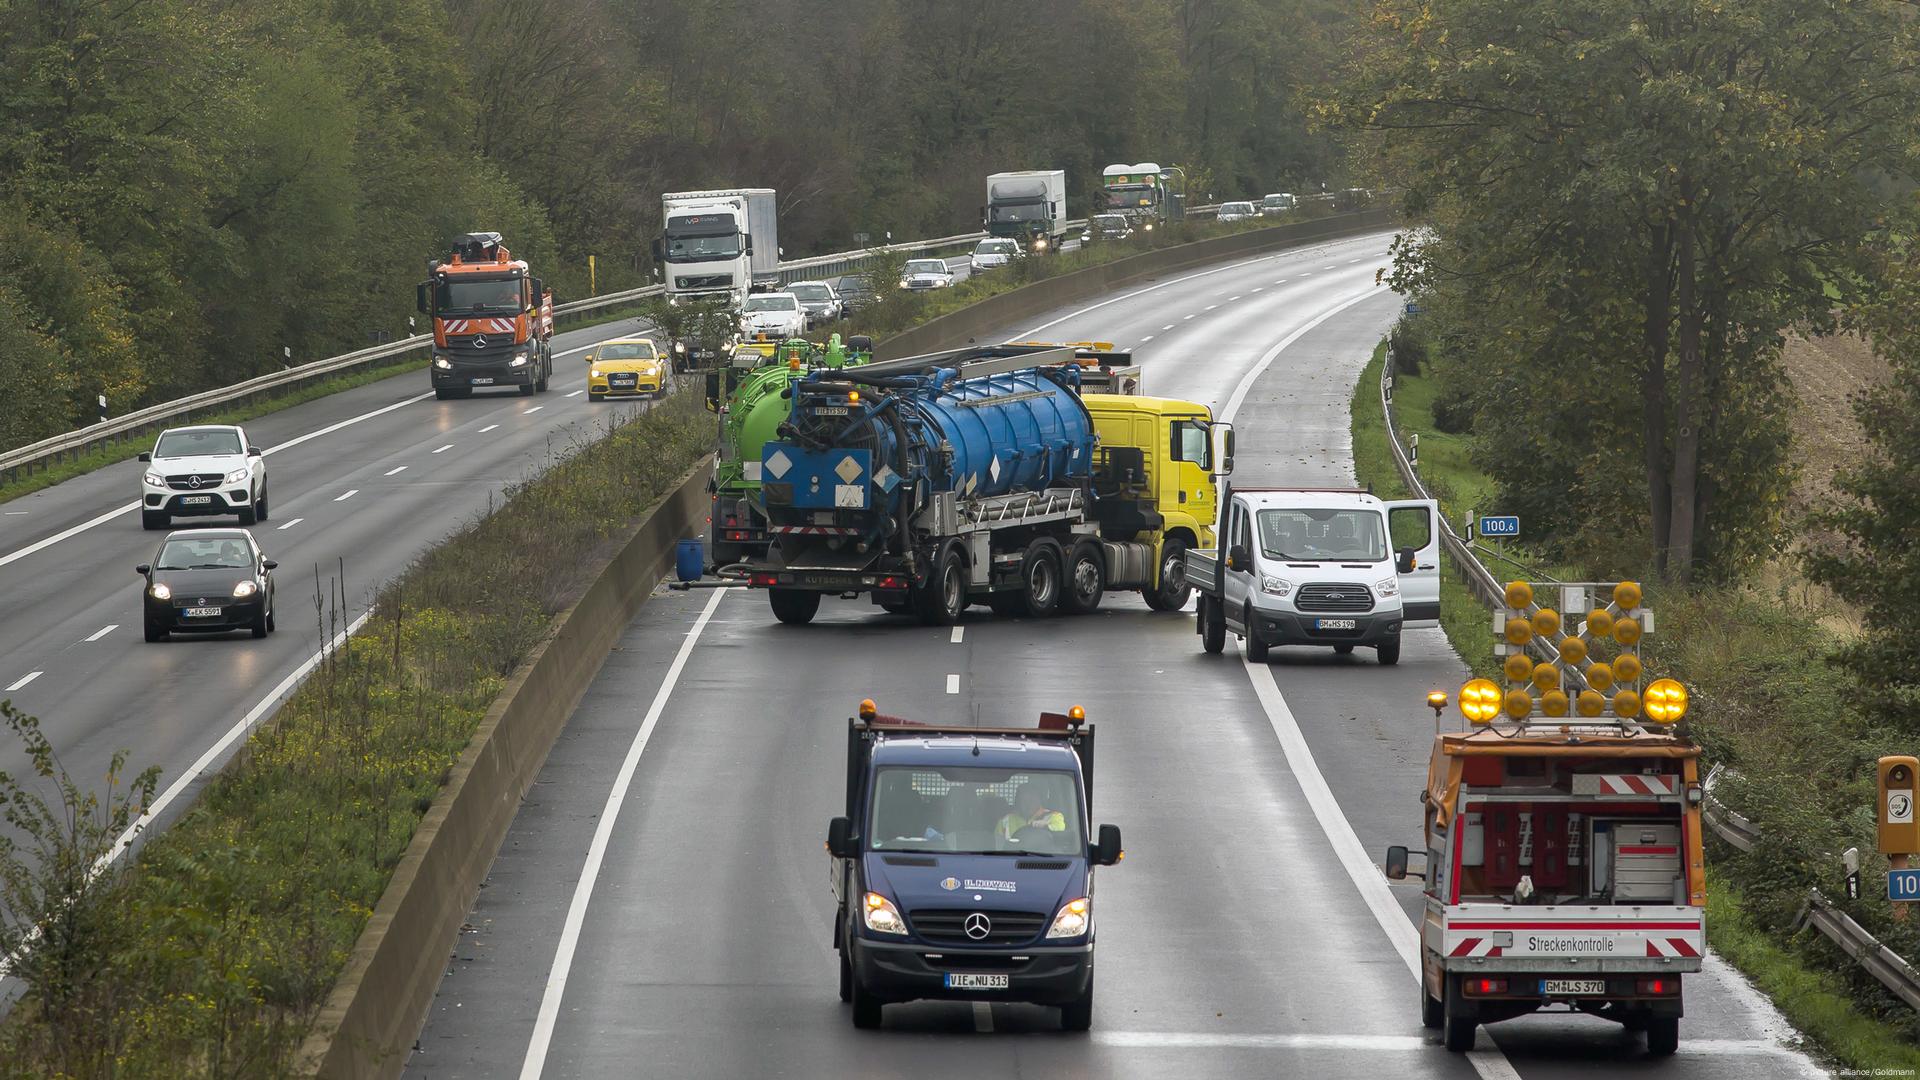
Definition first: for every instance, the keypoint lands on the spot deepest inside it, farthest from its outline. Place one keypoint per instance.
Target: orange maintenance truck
(1563, 833)
(492, 320)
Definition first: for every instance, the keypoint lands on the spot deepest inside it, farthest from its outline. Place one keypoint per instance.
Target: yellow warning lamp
(1436, 700)
(1626, 595)
(868, 710)
(1626, 631)
(1573, 650)
(1589, 703)
(1519, 595)
(1546, 622)
(1519, 631)
(1554, 703)
(1666, 701)
(1517, 667)
(1546, 676)
(793, 363)
(1076, 713)
(1480, 701)
(1599, 622)
(1519, 704)
(853, 397)
(1626, 668)
(1599, 676)
(1626, 703)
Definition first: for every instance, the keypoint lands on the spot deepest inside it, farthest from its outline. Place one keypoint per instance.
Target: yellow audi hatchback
(625, 366)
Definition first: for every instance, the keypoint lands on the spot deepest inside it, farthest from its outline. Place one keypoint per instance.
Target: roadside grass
(229, 928)
(1764, 701)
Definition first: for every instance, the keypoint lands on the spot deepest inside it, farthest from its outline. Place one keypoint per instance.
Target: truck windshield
(1131, 197)
(976, 811)
(496, 294)
(702, 248)
(1312, 535)
(1017, 212)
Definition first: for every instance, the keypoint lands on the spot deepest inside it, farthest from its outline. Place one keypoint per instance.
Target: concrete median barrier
(381, 999)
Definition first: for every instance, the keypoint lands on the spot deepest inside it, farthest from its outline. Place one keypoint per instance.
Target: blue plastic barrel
(690, 560)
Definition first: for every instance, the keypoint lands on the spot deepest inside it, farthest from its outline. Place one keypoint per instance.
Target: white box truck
(1028, 206)
(718, 243)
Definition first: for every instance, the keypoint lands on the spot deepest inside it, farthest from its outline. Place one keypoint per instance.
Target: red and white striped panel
(1474, 946)
(1670, 946)
(479, 326)
(1626, 784)
(814, 530)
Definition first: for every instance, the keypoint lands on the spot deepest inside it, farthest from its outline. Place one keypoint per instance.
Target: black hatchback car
(208, 579)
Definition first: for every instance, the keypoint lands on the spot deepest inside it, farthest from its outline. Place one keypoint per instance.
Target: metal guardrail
(1893, 971)
(40, 455)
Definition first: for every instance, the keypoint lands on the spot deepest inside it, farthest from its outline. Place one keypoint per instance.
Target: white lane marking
(1352, 262)
(1146, 339)
(1306, 273)
(18, 513)
(351, 492)
(103, 631)
(29, 677)
(396, 469)
(1209, 307)
(1243, 264)
(1206, 1040)
(529, 412)
(348, 422)
(444, 449)
(1266, 358)
(1330, 268)
(1184, 318)
(982, 1016)
(953, 683)
(290, 524)
(576, 393)
(597, 852)
(1259, 288)
(958, 631)
(488, 428)
(1231, 299)
(1169, 326)
(1282, 281)
(75, 531)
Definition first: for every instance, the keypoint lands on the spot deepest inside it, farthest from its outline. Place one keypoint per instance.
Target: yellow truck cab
(1174, 491)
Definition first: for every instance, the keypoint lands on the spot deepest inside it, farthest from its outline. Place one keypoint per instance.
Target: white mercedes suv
(201, 470)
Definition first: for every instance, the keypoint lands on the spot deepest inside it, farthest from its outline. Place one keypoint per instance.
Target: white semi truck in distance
(1030, 207)
(716, 243)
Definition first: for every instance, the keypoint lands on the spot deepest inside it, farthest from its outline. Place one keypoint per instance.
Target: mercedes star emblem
(479, 342)
(978, 926)
(193, 481)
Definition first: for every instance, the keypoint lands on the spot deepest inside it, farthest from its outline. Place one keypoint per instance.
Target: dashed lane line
(24, 680)
(396, 470)
(103, 631)
(530, 412)
(953, 683)
(958, 632)
(290, 524)
(351, 492)
(488, 428)
(444, 449)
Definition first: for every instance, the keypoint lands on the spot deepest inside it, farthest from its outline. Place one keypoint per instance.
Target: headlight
(154, 479)
(1278, 586)
(443, 363)
(903, 283)
(237, 476)
(1071, 921)
(519, 360)
(1149, 226)
(593, 373)
(882, 916)
(1387, 588)
(245, 588)
(160, 591)
(1040, 243)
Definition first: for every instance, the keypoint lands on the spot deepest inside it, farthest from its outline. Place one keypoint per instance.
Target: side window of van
(1410, 527)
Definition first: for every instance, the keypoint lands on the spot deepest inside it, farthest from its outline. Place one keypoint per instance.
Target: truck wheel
(1171, 592)
(1213, 626)
(1459, 1029)
(1388, 651)
(943, 596)
(1040, 578)
(1086, 580)
(866, 1009)
(1256, 649)
(1077, 1015)
(527, 389)
(795, 607)
(1431, 1011)
(846, 976)
(1663, 1035)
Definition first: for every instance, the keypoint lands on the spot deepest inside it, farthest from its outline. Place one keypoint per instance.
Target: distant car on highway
(923, 274)
(776, 315)
(855, 293)
(819, 300)
(208, 469)
(1353, 198)
(1278, 203)
(205, 580)
(994, 252)
(625, 367)
(1237, 211)
(1108, 227)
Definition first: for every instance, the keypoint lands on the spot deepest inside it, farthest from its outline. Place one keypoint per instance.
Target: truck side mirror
(1396, 868)
(746, 244)
(1403, 561)
(658, 252)
(539, 291)
(1238, 559)
(1107, 850)
(841, 843)
(421, 299)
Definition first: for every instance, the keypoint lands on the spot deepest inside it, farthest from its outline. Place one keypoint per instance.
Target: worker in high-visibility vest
(1029, 812)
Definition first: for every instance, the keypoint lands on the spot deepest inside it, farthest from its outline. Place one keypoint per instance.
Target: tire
(1388, 651)
(546, 376)
(846, 976)
(442, 395)
(270, 626)
(155, 519)
(259, 626)
(527, 389)
(1213, 626)
(1040, 584)
(866, 1009)
(155, 633)
(1256, 649)
(943, 596)
(247, 515)
(1663, 1035)
(1085, 580)
(591, 396)
(1170, 591)
(1077, 1015)
(260, 506)
(795, 607)
(1459, 1031)
(1343, 650)
(1431, 1011)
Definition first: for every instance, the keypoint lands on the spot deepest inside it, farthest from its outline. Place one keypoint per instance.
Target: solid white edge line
(543, 1023)
(103, 631)
(29, 677)
(953, 683)
(1267, 358)
(289, 525)
(74, 531)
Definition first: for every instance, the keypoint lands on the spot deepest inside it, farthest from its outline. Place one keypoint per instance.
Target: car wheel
(1459, 1030)
(155, 519)
(866, 1008)
(591, 396)
(1663, 1035)
(270, 626)
(1171, 591)
(259, 626)
(247, 515)
(1086, 580)
(795, 607)
(1388, 651)
(1077, 1015)
(156, 633)
(846, 976)
(260, 505)
(1040, 578)
(1256, 649)
(1213, 625)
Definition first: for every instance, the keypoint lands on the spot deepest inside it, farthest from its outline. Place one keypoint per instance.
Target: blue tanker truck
(991, 475)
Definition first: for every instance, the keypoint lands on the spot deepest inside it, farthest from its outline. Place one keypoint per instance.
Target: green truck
(749, 394)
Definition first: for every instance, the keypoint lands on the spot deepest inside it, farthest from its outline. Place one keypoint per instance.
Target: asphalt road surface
(1248, 933)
